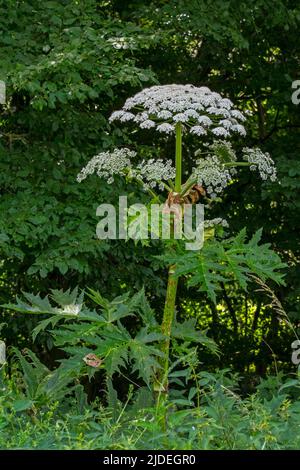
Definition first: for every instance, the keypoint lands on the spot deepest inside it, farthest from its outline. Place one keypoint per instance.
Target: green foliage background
(67, 65)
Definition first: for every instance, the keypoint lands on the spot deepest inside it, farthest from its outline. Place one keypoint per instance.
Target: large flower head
(200, 110)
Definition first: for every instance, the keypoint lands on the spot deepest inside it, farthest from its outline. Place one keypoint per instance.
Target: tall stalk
(178, 157)
(169, 308)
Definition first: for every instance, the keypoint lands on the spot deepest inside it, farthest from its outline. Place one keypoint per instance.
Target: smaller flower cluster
(211, 173)
(108, 164)
(152, 172)
(223, 149)
(260, 161)
(217, 221)
(217, 169)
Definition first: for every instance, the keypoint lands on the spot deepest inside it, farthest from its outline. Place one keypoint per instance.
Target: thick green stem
(166, 326)
(169, 309)
(178, 157)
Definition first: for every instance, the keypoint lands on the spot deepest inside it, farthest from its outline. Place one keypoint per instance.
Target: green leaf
(43, 325)
(232, 259)
(34, 371)
(187, 331)
(145, 357)
(22, 405)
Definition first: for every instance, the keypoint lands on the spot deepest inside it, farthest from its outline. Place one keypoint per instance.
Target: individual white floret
(198, 130)
(165, 128)
(220, 132)
(239, 129)
(148, 124)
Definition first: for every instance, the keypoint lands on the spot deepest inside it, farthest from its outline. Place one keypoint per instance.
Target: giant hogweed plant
(95, 339)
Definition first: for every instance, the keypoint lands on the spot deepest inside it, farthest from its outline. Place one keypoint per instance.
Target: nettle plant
(94, 339)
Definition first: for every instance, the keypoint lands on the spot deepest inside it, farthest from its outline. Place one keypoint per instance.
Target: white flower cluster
(152, 172)
(260, 161)
(223, 149)
(212, 173)
(199, 109)
(217, 221)
(108, 164)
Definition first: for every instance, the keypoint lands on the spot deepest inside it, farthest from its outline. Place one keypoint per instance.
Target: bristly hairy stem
(167, 322)
(169, 309)
(178, 157)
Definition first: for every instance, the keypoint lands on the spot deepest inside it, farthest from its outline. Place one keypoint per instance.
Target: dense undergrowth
(222, 419)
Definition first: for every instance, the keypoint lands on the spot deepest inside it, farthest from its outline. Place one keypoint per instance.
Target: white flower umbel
(108, 164)
(223, 149)
(152, 172)
(200, 110)
(212, 173)
(260, 161)
(217, 167)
